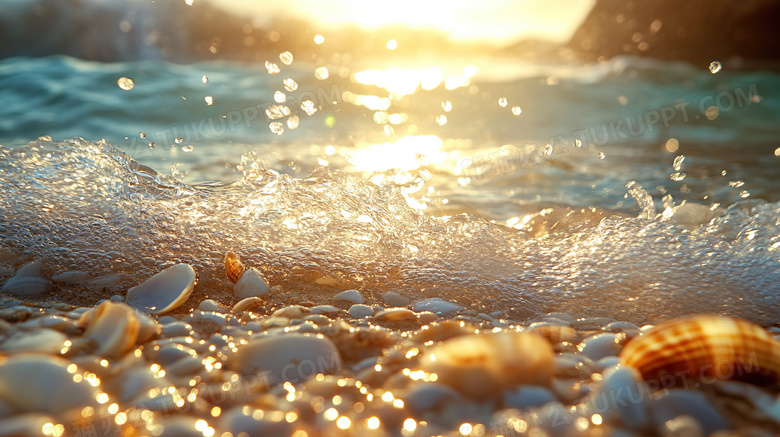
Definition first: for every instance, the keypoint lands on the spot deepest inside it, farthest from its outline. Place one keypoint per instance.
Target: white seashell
(114, 327)
(358, 311)
(292, 312)
(164, 291)
(71, 277)
(349, 296)
(43, 384)
(480, 366)
(252, 283)
(292, 357)
(602, 345)
(436, 305)
(28, 281)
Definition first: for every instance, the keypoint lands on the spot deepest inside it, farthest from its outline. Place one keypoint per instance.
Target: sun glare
(406, 154)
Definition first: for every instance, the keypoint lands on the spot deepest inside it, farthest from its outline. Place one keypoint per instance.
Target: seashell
(292, 312)
(252, 283)
(479, 366)
(705, 348)
(43, 384)
(28, 281)
(164, 291)
(554, 333)
(292, 357)
(248, 304)
(234, 268)
(212, 305)
(114, 327)
(395, 315)
(352, 296)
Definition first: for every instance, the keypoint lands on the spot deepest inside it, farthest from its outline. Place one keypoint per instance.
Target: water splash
(89, 206)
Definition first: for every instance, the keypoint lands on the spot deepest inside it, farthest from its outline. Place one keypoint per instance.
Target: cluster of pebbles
(394, 367)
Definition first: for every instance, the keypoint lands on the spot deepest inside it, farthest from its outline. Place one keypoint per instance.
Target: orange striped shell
(704, 348)
(234, 268)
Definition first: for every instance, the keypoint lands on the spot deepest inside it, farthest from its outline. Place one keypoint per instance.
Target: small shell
(248, 304)
(252, 283)
(554, 333)
(234, 268)
(164, 291)
(28, 281)
(705, 348)
(395, 315)
(114, 327)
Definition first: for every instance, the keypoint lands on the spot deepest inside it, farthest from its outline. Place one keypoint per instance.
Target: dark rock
(695, 31)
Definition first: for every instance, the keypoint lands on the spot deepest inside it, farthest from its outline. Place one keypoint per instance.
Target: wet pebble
(359, 311)
(394, 299)
(352, 296)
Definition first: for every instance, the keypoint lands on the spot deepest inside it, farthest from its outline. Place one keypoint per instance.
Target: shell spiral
(705, 348)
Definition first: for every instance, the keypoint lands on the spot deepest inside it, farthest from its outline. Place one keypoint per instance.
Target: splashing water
(89, 206)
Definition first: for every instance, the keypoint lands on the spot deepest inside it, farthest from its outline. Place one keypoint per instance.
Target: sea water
(633, 189)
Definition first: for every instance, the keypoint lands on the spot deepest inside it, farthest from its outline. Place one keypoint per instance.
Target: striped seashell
(395, 315)
(554, 333)
(234, 268)
(704, 348)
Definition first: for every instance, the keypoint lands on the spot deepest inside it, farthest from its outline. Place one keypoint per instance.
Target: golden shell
(704, 348)
(234, 268)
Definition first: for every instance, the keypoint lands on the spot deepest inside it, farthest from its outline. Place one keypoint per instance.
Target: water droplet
(744, 194)
(308, 107)
(623, 100)
(293, 121)
(319, 39)
(723, 173)
(441, 120)
(516, 110)
(602, 155)
(286, 58)
(502, 102)
(142, 134)
(446, 106)
(187, 149)
(678, 161)
(125, 83)
(189, 2)
(736, 184)
(179, 140)
(389, 131)
(290, 85)
(392, 44)
(276, 127)
(548, 150)
(209, 100)
(276, 112)
(271, 67)
(715, 67)
(777, 151)
(677, 176)
(280, 97)
(151, 145)
(321, 73)
(578, 143)
(204, 79)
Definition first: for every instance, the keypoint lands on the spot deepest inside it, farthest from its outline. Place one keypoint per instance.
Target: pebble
(359, 311)
(324, 309)
(71, 277)
(291, 357)
(394, 299)
(602, 345)
(352, 296)
(527, 396)
(28, 281)
(679, 402)
(436, 305)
